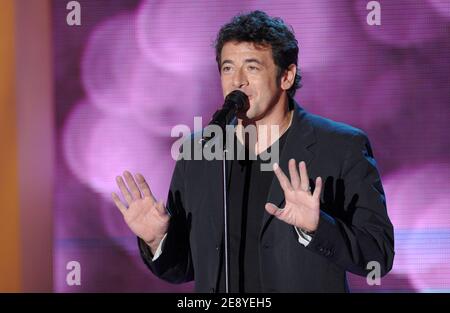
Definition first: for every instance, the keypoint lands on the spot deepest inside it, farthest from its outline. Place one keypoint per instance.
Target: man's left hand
(302, 208)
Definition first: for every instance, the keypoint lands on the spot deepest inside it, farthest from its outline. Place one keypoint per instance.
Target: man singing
(299, 228)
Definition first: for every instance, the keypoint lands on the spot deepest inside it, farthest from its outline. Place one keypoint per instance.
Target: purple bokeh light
(108, 63)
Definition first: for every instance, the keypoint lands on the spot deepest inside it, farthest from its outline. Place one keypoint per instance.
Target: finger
(295, 178)
(282, 178)
(145, 188)
(135, 192)
(318, 188)
(124, 190)
(119, 203)
(304, 179)
(273, 209)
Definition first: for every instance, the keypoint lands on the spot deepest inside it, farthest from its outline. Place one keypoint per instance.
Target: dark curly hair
(259, 28)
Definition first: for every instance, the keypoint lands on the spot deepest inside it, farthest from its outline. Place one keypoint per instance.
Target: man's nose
(240, 79)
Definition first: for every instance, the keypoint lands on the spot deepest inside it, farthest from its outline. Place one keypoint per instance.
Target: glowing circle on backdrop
(117, 144)
(160, 99)
(98, 148)
(108, 63)
(75, 137)
(178, 36)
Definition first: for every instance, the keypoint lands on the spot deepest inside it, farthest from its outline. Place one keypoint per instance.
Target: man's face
(252, 70)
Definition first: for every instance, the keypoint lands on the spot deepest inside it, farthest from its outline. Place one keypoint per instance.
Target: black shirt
(248, 188)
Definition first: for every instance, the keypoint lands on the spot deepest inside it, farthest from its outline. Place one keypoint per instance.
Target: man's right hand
(146, 217)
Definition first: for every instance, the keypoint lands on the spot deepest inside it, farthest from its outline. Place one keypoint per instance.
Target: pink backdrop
(134, 69)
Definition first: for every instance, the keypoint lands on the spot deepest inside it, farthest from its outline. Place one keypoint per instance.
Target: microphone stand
(235, 101)
(225, 207)
(225, 216)
(204, 141)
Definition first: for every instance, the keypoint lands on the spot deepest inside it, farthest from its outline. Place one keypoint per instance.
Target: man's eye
(252, 68)
(226, 68)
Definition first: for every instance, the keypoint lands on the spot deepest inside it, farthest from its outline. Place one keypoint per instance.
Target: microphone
(236, 101)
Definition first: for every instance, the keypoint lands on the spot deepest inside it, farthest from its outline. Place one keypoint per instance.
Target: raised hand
(146, 217)
(302, 208)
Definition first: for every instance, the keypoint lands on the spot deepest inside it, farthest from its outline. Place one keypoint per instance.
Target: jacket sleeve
(357, 230)
(174, 265)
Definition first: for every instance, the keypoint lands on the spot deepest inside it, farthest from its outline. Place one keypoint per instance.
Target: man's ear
(288, 77)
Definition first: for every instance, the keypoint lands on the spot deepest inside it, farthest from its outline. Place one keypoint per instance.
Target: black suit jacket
(354, 226)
